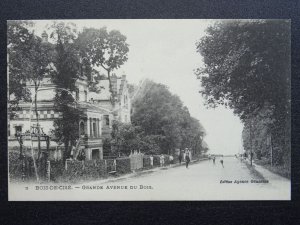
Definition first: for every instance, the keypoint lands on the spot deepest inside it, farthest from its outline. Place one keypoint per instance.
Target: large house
(96, 118)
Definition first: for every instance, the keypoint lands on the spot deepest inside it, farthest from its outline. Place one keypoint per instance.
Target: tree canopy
(247, 68)
(161, 115)
(103, 49)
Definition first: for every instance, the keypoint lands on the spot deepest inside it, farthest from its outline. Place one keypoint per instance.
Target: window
(106, 120)
(82, 129)
(94, 129)
(85, 96)
(18, 129)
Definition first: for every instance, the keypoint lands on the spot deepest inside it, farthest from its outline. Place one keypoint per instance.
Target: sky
(165, 52)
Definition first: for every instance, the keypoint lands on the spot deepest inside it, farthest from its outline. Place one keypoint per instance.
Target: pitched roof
(104, 93)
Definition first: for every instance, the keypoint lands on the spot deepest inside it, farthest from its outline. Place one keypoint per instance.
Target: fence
(136, 160)
(73, 171)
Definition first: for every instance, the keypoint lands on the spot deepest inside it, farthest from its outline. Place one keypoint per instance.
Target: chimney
(44, 37)
(114, 83)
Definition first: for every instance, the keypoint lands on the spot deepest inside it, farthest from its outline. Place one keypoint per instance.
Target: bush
(167, 160)
(15, 167)
(156, 160)
(83, 171)
(110, 165)
(146, 161)
(57, 170)
(123, 165)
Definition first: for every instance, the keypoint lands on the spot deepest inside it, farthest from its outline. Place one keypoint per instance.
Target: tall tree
(104, 49)
(162, 116)
(66, 73)
(247, 68)
(19, 42)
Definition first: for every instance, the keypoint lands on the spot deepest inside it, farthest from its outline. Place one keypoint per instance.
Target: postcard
(149, 109)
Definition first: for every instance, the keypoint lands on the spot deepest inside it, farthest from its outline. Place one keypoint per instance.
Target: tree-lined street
(202, 181)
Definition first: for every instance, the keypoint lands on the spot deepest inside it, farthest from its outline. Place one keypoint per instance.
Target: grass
(277, 169)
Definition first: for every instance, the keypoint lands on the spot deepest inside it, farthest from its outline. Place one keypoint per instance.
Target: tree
(65, 75)
(29, 63)
(19, 40)
(247, 68)
(104, 49)
(163, 117)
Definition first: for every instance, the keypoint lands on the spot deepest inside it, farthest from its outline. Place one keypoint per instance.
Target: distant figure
(187, 160)
(221, 161)
(171, 159)
(180, 157)
(151, 160)
(214, 160)
(162, 160)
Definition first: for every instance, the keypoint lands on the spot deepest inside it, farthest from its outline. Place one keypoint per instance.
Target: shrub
(123, 165)
(167, 160)
(82, 171)
(156, 160)
(57, 170)
(146, 161)
(15, 167)
(110, 165)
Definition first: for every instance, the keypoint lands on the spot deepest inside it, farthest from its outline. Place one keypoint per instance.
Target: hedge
(123, 165)
(146, 161)
(57, 170)
(166, 160)
(87, 170)
(110, 165)
(156, 160)
(15, 167)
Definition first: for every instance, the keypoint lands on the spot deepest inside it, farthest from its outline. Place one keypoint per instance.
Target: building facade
(97, 115)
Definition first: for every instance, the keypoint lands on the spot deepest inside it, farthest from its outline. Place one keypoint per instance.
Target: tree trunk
(66, 151)
(37, 123)
(111, 88)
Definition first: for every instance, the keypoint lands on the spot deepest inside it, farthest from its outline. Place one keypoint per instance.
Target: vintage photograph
(149, 109)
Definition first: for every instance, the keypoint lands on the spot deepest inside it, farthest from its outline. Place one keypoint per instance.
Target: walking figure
(187, 160)
(214, 160)
(221, 161)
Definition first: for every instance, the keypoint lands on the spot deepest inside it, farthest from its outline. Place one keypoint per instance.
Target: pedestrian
(214, 160)
(187, 160)
(221, 161)
(162, 160)
(151, 160)
(171, 159)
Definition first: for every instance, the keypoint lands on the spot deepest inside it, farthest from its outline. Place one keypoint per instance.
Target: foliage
(123, 165)
(146, 161)
(67, 64)
(164, 121)
(104, 49)
(29, 61)
(18, 43)
(247, 68)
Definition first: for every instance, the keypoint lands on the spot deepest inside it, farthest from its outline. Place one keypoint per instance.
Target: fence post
(48, 170)
(66, 165)
(115, 165)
